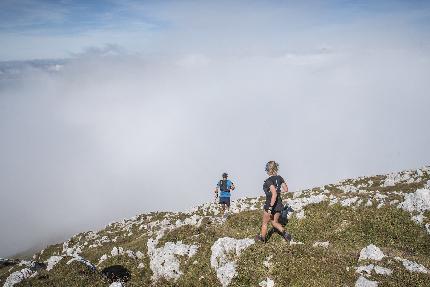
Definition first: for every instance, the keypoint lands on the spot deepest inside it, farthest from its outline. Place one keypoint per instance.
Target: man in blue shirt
(224, 186)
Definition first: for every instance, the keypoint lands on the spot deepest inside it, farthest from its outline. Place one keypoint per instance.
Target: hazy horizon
(135, 107)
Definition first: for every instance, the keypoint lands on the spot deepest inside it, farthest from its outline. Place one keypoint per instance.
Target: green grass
(347, 229)
(348, 232)
(75, 274)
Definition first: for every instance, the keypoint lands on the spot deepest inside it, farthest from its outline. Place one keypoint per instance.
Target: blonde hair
(272, 167)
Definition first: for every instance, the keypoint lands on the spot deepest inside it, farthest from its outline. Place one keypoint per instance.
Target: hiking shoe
(260, 238)
(287, 236)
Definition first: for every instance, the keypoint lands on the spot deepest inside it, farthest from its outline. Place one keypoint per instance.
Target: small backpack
(283, 219)
(223, 185)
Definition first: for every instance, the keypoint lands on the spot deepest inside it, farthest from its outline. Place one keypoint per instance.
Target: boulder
(116, 273)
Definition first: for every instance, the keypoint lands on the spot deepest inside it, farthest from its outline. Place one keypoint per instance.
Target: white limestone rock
(413, 266)
(348, 189)
(418, 219)
(300, 214)
(102, 258)
(225, 252)
(267, 283)
(333, 200)
(140, 255)
(17, 276)
(383, 271)
(131, 254)
(83, 261)
(52, 261)
(323, 244)
(164, 261)
(418, 201)
(388, 182)
(299, 203)
(116, 251)
(363, 282)
(367, 268)
(267, 263)
(371, 252)
(293, 242)
(349, 201)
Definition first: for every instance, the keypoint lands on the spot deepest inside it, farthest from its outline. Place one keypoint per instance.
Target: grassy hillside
(331, 227)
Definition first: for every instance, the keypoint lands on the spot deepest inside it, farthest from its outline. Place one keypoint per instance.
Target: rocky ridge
(357, 232)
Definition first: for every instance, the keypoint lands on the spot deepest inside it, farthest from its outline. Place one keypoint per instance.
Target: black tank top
(275, 180)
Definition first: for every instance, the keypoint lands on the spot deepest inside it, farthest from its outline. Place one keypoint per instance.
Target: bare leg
(276, 224)
(266, 220)
(280, 228)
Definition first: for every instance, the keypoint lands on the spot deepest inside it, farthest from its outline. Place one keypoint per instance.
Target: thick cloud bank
(109, 134)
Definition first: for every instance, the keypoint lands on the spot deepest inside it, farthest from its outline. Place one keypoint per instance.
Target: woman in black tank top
(273, 206)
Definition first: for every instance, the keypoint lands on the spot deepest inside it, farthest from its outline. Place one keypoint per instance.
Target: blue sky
(60, 28)
(56, 29)
(67, 17)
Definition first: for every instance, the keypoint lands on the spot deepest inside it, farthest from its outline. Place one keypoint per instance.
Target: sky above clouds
(58, 29)
(114, 108)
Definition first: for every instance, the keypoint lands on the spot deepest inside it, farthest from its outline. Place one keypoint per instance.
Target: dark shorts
(225, 200)
(277, 208)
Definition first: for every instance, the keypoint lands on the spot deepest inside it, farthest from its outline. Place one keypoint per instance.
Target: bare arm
(285, 186)
(274, 195)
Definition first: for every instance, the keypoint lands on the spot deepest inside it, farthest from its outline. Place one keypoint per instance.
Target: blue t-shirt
(225, 193)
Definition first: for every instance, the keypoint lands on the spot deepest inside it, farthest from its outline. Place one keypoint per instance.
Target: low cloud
(109, 134)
